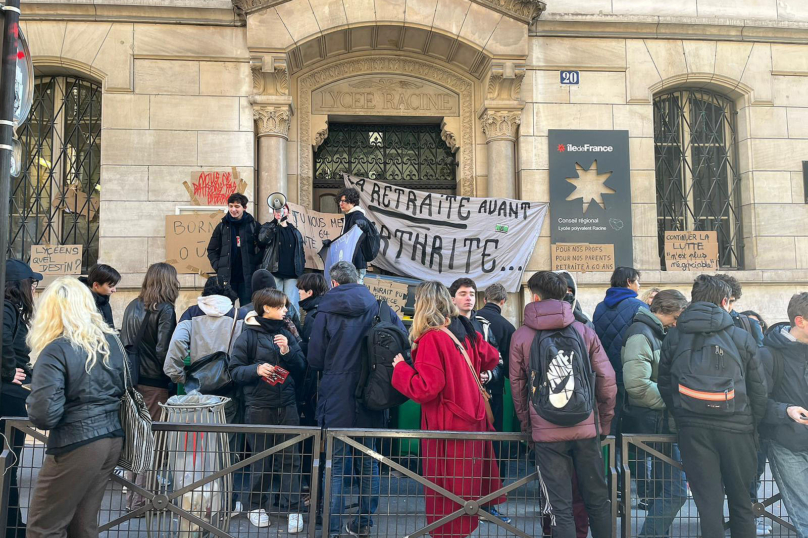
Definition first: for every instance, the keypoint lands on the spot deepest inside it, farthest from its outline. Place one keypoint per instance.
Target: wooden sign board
(395, 293)
(691, 251)
(314, 227)
(582, 257)
(213, 187)
(56, 260)
(187, 238)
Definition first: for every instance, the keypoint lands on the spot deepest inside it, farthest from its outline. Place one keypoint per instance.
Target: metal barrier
(280, 468)
(658, 499)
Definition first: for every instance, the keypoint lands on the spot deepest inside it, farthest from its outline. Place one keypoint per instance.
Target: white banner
(443, 237)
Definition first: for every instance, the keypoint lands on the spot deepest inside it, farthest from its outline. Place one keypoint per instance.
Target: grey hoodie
(210, 326)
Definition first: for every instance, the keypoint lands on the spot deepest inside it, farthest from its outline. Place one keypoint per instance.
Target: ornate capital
(505, 82)
(270, 75)
(523, 10)
(272, 120)
(449, 132)
(500, 124)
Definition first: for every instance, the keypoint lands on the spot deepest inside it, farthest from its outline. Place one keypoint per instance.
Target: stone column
(272, 128)
(500, 127)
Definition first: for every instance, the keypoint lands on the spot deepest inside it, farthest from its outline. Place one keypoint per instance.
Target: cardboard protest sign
(213, 187)
(691, 251)
(56, 260)
(392, 291)
(441, 237)
(340, 250)
(187, 238)
(314, 227)
(582, 257)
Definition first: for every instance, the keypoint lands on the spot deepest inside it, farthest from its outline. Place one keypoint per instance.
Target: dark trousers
(556, 463)
(284, 465)
(244, 292)
(717, 462)
(70, 489)
(11, 406)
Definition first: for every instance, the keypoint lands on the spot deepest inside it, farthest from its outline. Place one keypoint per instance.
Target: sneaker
(259, 518)
(762, 528)
(295, 523)
(237, 509)
(354, 529)
(494, 512)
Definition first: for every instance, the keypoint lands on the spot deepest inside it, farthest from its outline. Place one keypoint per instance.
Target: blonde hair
(433, 308)
(67, 309)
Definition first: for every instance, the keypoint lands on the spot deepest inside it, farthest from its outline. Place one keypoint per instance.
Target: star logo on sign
(561, 148)
(589, 185)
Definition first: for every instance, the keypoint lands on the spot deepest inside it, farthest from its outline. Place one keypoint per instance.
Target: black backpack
(562, 381)
(709, 375)
(372, 243)
(383, 341)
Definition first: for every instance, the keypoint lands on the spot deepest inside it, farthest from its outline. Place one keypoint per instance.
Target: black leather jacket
(156, 339)
(75, 405)
(268, 240)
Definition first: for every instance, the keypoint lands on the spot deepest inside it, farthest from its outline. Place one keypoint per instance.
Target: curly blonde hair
(67, 310)
(433, 309)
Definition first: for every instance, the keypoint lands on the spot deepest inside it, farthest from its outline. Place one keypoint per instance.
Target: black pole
(11, 32)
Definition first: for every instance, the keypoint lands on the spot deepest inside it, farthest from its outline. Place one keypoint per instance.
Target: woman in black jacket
(154, 307)
(266, 361)
(18, 305)
(76, 394)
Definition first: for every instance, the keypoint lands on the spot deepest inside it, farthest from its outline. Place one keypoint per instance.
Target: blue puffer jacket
(612, 318)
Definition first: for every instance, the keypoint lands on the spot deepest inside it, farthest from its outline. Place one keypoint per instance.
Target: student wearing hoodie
(560, 450)
(612, 318)
(209, 326)
(572, 298)
(785, 426)
(102, 280)
(264, 347)
(711, 379)
(665, 488)
(345, 315)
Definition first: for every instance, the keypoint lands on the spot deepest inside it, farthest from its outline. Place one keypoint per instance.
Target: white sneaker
(259, 518)
(762, 528)
(295, 523)
(239, 508)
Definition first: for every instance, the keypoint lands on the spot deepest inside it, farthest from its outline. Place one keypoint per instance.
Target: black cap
(262, 280)
(17, 270)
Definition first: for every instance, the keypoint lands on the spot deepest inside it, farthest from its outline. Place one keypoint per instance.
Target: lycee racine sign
(441, 237)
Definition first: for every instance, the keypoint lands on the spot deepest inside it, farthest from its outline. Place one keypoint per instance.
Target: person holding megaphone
(283, 248)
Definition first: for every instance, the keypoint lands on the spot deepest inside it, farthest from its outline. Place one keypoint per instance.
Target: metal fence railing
(391, 482)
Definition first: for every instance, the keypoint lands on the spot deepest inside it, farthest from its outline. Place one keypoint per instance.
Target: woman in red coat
(450, 399)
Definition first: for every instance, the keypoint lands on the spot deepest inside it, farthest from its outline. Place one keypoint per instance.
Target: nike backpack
(709, 375)
(562, 381)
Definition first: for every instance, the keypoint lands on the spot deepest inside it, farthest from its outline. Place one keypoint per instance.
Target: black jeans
(716, 462)
(244, 292)
(11, 406)
(284, 465)
(556, 462)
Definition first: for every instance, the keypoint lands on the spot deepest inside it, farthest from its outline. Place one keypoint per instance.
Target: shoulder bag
(489, 413)
(211, 374)
(136, 422)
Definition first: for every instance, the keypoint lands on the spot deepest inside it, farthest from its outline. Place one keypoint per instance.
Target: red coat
(451, 401)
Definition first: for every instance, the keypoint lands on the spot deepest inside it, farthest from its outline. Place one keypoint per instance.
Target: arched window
(697, 177)
(55, 200)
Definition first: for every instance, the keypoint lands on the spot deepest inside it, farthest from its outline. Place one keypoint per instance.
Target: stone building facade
(254, 85)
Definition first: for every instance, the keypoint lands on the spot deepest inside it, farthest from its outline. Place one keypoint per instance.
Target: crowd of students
(733, 391)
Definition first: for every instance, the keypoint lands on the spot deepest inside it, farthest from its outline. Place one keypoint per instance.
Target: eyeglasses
(343, 201)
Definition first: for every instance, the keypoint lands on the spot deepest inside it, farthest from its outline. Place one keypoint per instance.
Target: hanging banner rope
(442, 237)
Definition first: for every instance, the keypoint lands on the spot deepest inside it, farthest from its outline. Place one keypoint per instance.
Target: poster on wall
(187, 238)
(590, 190)
(442, 237)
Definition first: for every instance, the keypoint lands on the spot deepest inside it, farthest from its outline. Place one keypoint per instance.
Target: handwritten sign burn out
(314, 227)
(691, 251)
(187, 238)
(56, 260)
(432, 236)
(582, 257)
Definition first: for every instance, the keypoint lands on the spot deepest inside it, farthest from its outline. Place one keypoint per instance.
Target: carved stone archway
(384, 65)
